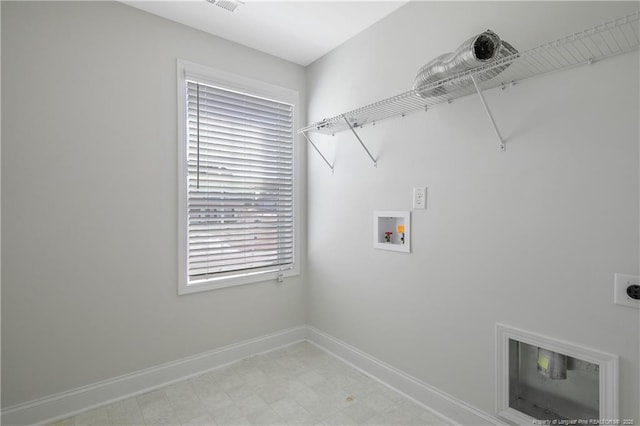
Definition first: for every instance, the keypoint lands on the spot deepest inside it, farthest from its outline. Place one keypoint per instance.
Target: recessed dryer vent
(545, 379)
(548, 385)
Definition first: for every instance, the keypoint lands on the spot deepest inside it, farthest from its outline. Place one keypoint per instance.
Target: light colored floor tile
(359, 412)
(228, 379)
(293, 365)
(340, 400)
(273, 390)
(252, 405)
(311, 378)
(318, 358)
(341, 380)
(360, 388)
(390, 393)
(293, 413)
(377, 401)
(253, 375)
(192, 412)
(400, 416)
(215, 399)
(320, 407)
(227, 414)
(266, 416)
(186, 404)
(241, 392)
(431, 419)
(339, 418)
(238, 421)
(414, 409)
(156, 409)
(203, 420)
(71, 421)
(97, 416)
(125, 412)
(376, 420)
(181, 393)
(325, 388)
(296, 385)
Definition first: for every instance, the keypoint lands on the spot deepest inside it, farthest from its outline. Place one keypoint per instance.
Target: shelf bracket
(317, 150)
(502, 145)
(375, 163)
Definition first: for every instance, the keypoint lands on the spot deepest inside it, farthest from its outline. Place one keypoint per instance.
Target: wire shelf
(600, 42)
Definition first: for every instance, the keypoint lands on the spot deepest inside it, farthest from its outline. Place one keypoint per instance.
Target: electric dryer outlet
(627, 290)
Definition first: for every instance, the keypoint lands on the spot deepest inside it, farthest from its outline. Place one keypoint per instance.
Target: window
(237, 188)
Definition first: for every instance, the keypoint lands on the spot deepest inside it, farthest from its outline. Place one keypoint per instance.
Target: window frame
(206, 75)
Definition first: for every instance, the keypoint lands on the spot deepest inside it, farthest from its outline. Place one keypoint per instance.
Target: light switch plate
(620, 297)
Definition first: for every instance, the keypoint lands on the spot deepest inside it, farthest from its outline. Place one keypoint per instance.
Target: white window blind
(240, 203)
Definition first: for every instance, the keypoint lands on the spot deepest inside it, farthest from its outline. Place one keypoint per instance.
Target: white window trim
(186, 69)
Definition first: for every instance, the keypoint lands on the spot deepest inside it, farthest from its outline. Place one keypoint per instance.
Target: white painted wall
(89, 195)
(531, 237)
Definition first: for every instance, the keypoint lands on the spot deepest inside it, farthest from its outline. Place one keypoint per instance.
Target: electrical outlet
(420, 197)
(633, 291)
(627, 290)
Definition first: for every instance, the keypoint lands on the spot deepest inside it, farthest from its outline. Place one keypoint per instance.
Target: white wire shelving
(603, 41)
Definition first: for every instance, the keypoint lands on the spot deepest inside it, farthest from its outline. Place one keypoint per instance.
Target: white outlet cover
(620, 297)
(420, 197)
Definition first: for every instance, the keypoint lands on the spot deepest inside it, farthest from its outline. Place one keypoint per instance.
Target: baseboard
(445, 405)
(66, 404)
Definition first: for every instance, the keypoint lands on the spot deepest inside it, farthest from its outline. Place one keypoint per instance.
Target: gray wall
(531, 237)
(89, 199)
(0, 198)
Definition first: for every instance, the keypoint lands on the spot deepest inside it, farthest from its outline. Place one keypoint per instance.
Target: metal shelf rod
(486, 108)
(318, 151)
(375, 163)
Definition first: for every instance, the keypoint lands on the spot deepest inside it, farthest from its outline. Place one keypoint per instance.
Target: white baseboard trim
(69, 403)
(443, 404)
(66, 404)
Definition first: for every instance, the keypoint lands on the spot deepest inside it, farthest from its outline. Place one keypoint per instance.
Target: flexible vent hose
(476, 51)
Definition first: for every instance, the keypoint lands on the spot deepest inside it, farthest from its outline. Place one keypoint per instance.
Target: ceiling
(298, 31)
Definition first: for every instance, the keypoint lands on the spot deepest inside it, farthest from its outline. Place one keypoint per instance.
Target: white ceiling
(298, 31)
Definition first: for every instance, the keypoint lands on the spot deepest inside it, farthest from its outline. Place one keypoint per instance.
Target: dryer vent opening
(485, 47)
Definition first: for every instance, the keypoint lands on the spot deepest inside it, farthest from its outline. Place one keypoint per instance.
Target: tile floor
(296, 385)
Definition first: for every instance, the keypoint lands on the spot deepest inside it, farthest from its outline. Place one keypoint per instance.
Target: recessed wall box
(392, 230)
(542, 380)
(626, 290)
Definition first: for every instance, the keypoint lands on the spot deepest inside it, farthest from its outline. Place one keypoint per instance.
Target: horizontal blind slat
(238, 252)
(223, 125)
(218, 105)
(267, 120)
(208, 91)
(224, 261)
(204, 274)
(220, 150)
(210, 238)
(233, 227)
(222, 122)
